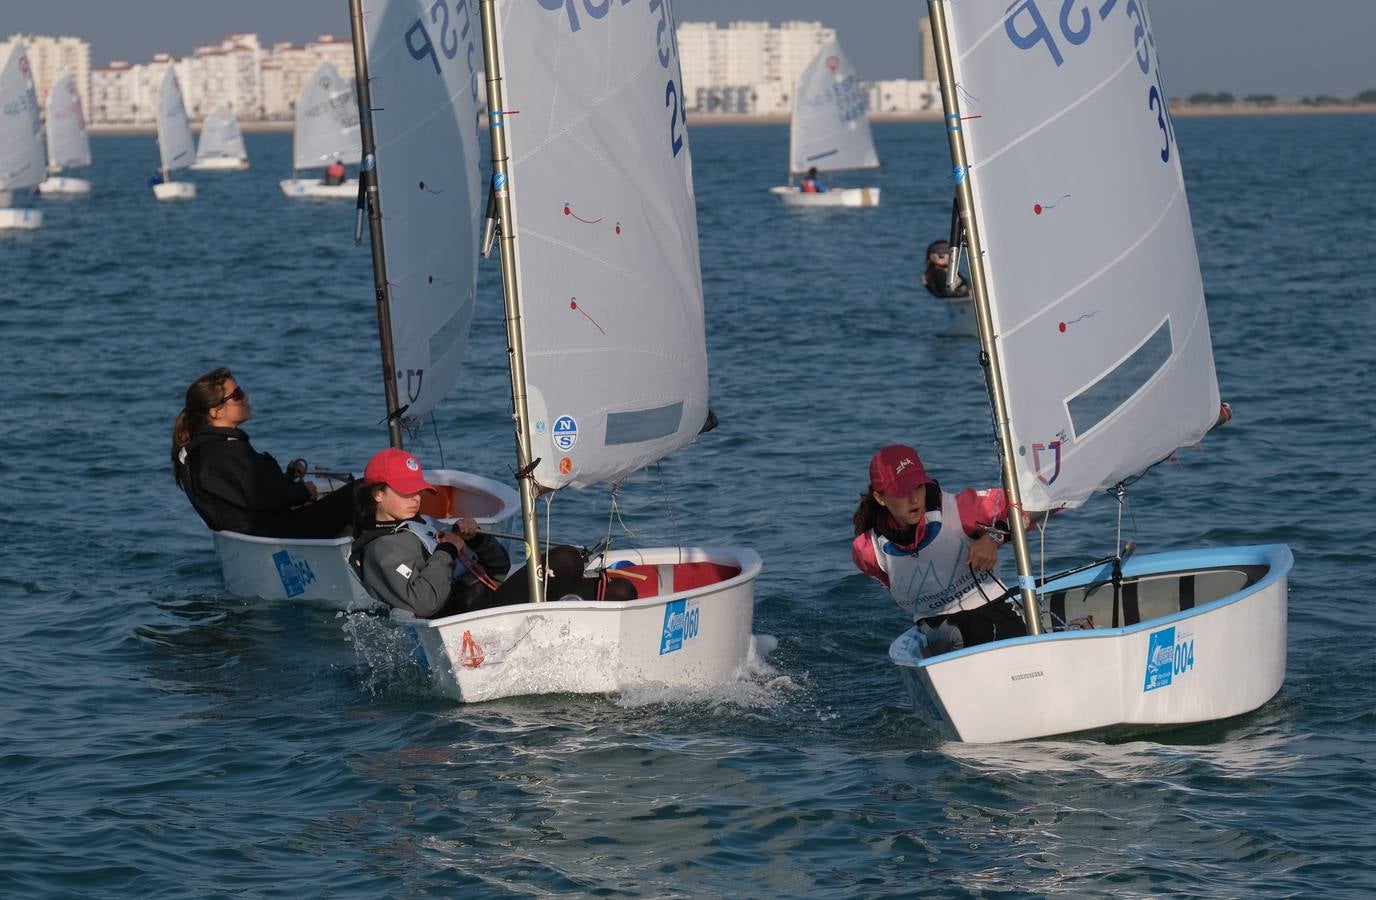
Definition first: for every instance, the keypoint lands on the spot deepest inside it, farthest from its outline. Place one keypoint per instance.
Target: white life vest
(427, 530)
(935, 579)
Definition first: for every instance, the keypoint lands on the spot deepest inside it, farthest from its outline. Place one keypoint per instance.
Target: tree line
(1224, 98)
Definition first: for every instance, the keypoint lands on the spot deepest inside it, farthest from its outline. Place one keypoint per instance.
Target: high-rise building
(733, 69)
(928, 72)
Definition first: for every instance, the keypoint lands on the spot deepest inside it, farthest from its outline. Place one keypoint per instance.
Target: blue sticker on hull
(295, 573)
(1167, 658)
(680, 625)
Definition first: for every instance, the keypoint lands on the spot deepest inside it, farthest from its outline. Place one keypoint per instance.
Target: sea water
(160, 738)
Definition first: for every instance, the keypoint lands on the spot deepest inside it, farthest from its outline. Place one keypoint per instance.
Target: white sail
(68, 145)
(326, 121)
(220, 136)
(1097, 302)
(607, 247)
(425, 127)
(175, 144)
(831, 128)
(22, 163)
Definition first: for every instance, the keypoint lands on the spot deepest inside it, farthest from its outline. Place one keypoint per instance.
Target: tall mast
(367, 189)
(501, 175)
(989, 356)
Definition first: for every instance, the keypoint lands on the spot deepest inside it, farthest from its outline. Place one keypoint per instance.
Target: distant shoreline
(1182, 110)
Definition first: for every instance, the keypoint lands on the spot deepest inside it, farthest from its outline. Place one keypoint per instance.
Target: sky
(1244, 46)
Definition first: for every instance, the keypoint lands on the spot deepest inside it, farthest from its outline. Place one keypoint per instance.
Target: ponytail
(863, 519)
(202, 395)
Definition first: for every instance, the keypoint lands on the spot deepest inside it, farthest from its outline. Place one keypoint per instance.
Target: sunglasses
(237, 394)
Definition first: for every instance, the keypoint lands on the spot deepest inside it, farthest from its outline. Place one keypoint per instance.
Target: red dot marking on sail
(573, 304)
(1062, 327)
(568, 211)
(1037, 208)
(430, 279)
(618, 227)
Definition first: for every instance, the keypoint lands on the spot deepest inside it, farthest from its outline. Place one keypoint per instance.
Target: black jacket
(935, 280)
(233, 486)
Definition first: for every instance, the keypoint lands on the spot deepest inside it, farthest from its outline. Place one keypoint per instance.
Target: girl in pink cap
(935, 551)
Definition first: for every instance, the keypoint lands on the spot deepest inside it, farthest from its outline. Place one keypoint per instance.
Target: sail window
(1101, 399)
(643, 424)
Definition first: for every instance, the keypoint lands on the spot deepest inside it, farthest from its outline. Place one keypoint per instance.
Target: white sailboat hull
(318, 570)
(1221, 657)
(59, 184)
(862, 196)
(315, 188)
(696, 633)
(220, 164)
(21, 219)
(175, 190)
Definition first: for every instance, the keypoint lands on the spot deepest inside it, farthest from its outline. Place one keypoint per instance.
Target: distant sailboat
(221, 147)
(326, 130)
(21, 141)
(175, 147)
(830, 131)
(68, 145)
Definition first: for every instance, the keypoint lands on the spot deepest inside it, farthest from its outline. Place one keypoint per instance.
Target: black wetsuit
(235, 488)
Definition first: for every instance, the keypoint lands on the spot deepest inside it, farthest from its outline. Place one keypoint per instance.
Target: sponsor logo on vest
(295, 573)
(680, 625)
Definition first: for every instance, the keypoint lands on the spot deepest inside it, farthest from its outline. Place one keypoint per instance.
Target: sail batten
(1092, 278)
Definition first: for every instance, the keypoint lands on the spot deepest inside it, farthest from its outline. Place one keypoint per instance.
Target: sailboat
(1099, 365)
(175, 147)
(221, 148)
(21, 141)
(830, 131)
(326, 130)
(592, 197)
(425, 263)
(68, 145)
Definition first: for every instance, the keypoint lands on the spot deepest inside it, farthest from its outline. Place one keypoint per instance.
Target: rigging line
(668, 505)
(439, 445)
(611, 511)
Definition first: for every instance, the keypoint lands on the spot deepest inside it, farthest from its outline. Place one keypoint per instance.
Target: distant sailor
(811, 184)
(334, 172)
(938, 265)
(934, 551)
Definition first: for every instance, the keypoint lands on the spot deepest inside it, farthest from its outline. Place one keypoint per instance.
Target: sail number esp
(1027, 28)
(451, 38)
(666, 47)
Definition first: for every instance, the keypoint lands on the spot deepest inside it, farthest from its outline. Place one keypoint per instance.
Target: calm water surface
(159, 738)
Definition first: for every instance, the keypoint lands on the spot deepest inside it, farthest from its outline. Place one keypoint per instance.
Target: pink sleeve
(862, 554)
(984, 507)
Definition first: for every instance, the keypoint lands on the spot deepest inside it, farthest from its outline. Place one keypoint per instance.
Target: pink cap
(397, 469)
(896, 470)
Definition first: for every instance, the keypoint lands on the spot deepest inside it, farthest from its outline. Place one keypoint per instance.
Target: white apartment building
(48, 56)
(740, 67)
(286, 69)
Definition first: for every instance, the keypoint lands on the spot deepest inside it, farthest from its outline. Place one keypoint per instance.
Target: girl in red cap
(414, 562)
(934, 551)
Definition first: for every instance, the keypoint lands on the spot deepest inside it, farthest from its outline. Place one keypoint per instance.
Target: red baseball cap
(897, 470)
(397, 469)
